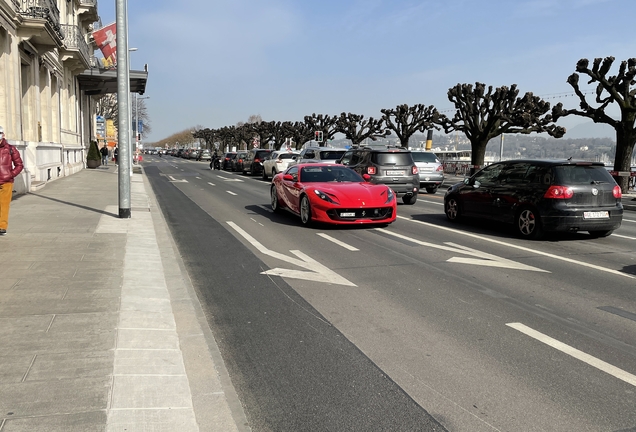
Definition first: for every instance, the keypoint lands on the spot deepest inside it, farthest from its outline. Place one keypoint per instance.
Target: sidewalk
(100, 326)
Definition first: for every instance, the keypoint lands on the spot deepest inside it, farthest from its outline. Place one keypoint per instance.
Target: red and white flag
(106, 41)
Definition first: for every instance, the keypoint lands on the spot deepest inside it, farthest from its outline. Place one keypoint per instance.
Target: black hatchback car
(538, 196)
(253, 162)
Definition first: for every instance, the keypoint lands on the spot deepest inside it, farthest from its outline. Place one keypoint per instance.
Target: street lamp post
(123, 93)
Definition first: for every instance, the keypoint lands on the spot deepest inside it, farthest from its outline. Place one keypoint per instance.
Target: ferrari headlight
(390, 196)
(323, 196)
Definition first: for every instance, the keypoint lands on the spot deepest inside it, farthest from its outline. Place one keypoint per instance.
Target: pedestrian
(104, 152)
(116, 155)
(10, 166)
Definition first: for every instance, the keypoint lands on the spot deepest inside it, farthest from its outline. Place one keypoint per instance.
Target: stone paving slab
(87, 318)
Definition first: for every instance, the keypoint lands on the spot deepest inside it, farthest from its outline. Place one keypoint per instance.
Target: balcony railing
(88, 3)
(75, 40)
(45, 9)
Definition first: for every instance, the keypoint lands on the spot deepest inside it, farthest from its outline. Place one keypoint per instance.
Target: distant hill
(591, 130)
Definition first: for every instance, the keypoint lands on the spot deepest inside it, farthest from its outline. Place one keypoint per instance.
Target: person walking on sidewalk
(116, 155)
(10, 166)
(104, 152)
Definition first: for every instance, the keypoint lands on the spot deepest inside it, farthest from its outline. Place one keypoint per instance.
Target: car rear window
(424, 157)
(390, 158)
(261, 154)
(286, 155)
(582, 174)
(331, 154)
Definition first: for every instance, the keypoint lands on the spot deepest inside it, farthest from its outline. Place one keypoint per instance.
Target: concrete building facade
(50, 82)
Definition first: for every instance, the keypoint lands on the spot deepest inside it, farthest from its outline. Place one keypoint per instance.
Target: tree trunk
(625, 139)
(477, 156)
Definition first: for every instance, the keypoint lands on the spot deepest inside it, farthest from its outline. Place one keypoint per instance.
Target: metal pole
(501, 148)
(136, 124)
(123, 94)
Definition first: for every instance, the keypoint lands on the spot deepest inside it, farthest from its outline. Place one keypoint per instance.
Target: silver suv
(431, 170)
(392, 166)
(320, 154)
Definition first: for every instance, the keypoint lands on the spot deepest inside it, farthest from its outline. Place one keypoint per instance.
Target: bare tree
(618, 89)
(108, 108)
(483, 115)
(322, 123)
(357, 129)
(406, 120)
(299, 132)
(254, 119)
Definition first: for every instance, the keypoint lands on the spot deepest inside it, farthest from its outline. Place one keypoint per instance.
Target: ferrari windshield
(331, 173)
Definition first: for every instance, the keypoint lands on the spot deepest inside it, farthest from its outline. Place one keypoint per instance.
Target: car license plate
(596, 215)
(347, 214)
(398, 173)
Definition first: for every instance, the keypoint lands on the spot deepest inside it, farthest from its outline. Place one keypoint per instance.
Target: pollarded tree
(357, 129)
(609, 89)
(264, 131)
(278, 132)
(406, 120)
(207, 134)
(322, 123)
(482, 116)
(299, 132)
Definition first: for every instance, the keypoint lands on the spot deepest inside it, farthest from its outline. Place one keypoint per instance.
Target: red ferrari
(335, 194)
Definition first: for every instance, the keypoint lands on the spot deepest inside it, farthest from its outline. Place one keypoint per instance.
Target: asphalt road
(422, 324)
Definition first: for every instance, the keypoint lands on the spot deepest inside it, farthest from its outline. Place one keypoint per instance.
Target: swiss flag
(106, 41)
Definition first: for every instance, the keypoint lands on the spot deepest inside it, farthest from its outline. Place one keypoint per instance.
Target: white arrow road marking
(477, 257)
(625, 237)
(532, 251)
(174, 180)
(229, 179)
(317, 272)
(338, 242)
(489, 260)
(577, 354)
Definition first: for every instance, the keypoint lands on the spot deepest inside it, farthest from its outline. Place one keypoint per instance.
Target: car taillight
(440, 168)
(257, 160)
(414, 170)
(371, 170)
(559, 192)
(617, 192)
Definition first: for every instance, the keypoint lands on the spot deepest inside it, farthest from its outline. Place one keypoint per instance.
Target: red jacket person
(10, 166)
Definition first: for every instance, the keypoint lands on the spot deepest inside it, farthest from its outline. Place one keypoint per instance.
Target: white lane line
(430, 202)
(629, 220)
(577, 354)
(268, 208)
(525, 249)
(231, 193)
(338, 242)
(625, 237)
(211, 184)
(198, 178)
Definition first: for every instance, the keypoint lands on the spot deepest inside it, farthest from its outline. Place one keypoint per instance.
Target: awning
(96, 81)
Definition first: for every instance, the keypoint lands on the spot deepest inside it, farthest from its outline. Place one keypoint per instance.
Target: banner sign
(105, 39)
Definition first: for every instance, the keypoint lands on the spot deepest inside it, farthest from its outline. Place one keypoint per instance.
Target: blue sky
(214, 63)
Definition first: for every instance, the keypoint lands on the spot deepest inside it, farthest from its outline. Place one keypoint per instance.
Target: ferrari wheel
(275, 203)
(305, 211)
